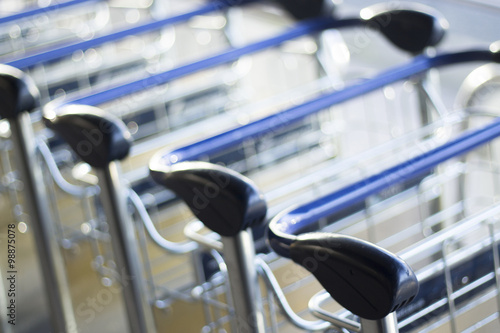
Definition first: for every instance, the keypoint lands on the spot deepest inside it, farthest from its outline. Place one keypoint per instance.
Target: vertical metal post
(496, 258)
(51, 259)
(201, 282)
(423, 102)
(239, 255)
(428, 95)
(449, 285)
(428, 99)
(388, 324)
(124, 243)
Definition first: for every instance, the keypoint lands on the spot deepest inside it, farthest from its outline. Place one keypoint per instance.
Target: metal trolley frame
(155, 80)
(173, 168)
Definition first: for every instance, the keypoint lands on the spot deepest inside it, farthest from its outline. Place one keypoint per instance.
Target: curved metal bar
(284, 227)
(301, 29)
(192, 231)
(63, 184)
(477, 80)
(42, 10)
(66, 50)
(172, 247)
(294, 114)
(273, 285)
(315, 306)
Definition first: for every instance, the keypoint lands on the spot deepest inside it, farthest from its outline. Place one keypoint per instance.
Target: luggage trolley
(56, 57)
(16, 78)
(22, 143)
(170, 170)
(116, 92)
(47, 58)
(104, 95)
(233, 54)
(60, 59)
(55, 54)
(144, 83)
(53, 58)
(166, 275)
(456, 266)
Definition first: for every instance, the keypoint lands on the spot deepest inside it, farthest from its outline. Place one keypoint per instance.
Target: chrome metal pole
(239, 255)
(423, 102)
(428, 95)
(50, 256)
(388, 324)
(125, 247)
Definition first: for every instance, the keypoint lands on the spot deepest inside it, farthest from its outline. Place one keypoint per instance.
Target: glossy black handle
(97, 137)
(304, 9)
(225, 201)
(409, 26)
(362, 277)
(18, 93)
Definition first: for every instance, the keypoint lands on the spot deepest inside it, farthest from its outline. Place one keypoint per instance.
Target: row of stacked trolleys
(246, 166)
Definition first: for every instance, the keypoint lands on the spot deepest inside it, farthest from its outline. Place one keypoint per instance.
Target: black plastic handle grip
(225, 201)
(411, 27)
(304, 9)
(18, 92)
(97, 137)
(364, 278)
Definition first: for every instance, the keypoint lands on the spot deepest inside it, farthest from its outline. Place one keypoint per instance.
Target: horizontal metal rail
(28, 13)
(230, 55)
(284, 227)
(61, 51)
(280, 120)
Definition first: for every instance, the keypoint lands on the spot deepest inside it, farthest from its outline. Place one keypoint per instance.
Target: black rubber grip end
(225, 201)
(364, 278)
(410, 27)
(306, 9)
(18, 92)
(98, 138)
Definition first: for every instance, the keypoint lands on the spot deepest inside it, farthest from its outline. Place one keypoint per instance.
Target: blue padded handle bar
(289, 116)
(35, 11)
(284, 227)
(60, 52)
(232, 54)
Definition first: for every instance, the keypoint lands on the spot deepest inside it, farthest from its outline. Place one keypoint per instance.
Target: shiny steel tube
(386, 325)
(239, 255)
(51, 261)
(124, 243)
